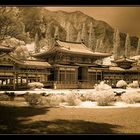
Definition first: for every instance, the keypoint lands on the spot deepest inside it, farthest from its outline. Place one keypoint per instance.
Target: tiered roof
(72, 48)
(4, 49)
(124, 59)
(124, 62)
(35, 63)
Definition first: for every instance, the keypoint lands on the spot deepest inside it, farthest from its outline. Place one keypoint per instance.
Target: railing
(24, 71)
(65, 82)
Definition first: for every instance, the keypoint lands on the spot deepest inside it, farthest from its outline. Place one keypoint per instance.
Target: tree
(79, 37)
(97, 45)
(10, 22)
(91, 39)
(33, 20)
(116, 43)
(21, 51)
(56, 33)
(68, 36)
(37, 46)
(83, 33)
(127, 46)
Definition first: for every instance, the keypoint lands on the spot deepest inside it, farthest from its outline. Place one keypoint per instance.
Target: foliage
(53, 100)
(33, 99)
(135, 84)
(121, 84)
(10, 22)
(11, 95)
(34, 85)
(104, 94)
(4, 97)
(88, 96)
(105, 97)
(33, 21)
(73, 99)
(116, 43)
(102, 86)
(131, 97)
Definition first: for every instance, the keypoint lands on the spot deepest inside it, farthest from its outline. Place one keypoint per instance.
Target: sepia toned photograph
(69, 70)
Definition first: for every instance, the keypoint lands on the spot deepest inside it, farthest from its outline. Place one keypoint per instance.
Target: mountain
(72, 22)
(70, 26)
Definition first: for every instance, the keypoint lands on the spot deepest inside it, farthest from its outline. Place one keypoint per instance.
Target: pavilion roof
(124, 59)
(72, 48)
(115, 68)
(36, 63)
(5, 48)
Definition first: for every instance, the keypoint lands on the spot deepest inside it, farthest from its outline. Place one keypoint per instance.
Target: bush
(89, 96)
(11, 95)
(121, 84)
(73, 99)
(102, 86)
(34, 85)
(43, 93)
(135, 84)
(131, 97)
(4, 97)
(105, 98)
(53, 100)
(33, 99)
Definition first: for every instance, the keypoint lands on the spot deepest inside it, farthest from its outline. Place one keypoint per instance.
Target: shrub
(53, 100)
(89, 96)
(33, 99)
(43, 93)
(105, 97)
(34, 85)
(11, 95)
(102, 86)
(121, 84)
(73, 99)
(4, 97)
(135, 84)
(131, 97)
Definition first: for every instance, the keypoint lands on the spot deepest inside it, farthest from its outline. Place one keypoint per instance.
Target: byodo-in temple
(65, 65)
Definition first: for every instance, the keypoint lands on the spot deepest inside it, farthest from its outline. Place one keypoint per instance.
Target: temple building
(67, 65)
(73, 65)
(16, 74)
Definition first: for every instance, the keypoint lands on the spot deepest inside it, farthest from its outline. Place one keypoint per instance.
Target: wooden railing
(24, 71)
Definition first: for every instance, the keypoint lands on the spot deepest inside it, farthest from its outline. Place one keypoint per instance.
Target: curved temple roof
(36, 63)
(71, 47)
(4, 49)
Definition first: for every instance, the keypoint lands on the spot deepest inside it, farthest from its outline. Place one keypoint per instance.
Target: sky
(126, 19)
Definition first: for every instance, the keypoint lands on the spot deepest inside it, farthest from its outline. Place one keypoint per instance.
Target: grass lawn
(41, 120)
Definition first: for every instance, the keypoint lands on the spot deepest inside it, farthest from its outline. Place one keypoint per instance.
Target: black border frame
(71, 2)
(119, 3)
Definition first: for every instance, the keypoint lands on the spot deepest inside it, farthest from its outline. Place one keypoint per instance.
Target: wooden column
(14, 86)
(76, 75)
(65, 75)
(16, 79)
(58, 74)
(36, 78)
(27, 78)
(96, 76)
(21, 80)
